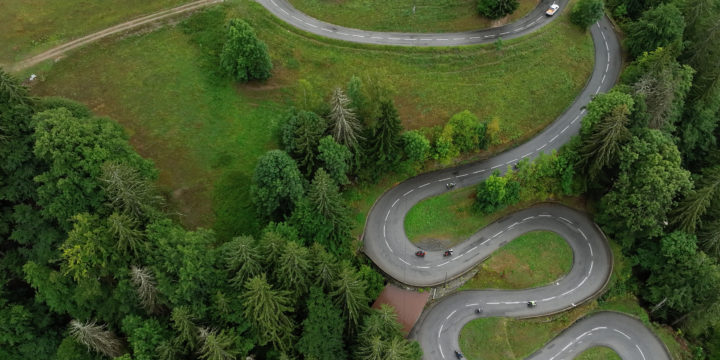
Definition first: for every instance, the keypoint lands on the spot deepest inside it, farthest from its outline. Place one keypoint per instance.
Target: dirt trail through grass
(59, 51)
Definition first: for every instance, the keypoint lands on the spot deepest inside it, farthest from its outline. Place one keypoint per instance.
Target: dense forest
(93, 265)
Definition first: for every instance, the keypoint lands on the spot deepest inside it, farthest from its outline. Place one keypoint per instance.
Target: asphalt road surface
(387, 245)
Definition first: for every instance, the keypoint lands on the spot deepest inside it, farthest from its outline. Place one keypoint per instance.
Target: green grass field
(506, 338)
(446, 218)
(397, 15)
(534, 259)
(28, 27)
(205, 133)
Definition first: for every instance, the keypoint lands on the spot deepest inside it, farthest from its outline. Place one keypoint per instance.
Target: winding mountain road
(387, 245)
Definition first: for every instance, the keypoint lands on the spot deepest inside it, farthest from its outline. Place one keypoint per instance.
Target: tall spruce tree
(386, 142)
(267, 310)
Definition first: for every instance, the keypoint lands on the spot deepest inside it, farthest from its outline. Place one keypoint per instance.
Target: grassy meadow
(28, 27)
(205, 132)
(398, 15)
(509, 339)
(533, 259)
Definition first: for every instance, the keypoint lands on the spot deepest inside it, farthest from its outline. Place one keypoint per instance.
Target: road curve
(387, 245)
(60, 50)
(529, 23)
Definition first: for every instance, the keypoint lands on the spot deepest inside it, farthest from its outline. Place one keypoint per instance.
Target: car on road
(552, 10)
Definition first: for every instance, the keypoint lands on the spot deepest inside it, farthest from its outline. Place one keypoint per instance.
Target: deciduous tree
(335, 159)
(587, 12)
(277, 184)
(495, 9)
(244, 57)
(416, 146)
(649, 181)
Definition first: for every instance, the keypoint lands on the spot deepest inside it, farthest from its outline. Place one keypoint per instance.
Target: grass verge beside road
(598, 353)
(28, 27)
(534, 259)
(398, 15)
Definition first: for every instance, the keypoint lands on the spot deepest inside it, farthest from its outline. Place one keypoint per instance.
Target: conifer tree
(346, 127)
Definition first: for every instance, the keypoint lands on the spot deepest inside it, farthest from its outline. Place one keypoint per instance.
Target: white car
(552, 10)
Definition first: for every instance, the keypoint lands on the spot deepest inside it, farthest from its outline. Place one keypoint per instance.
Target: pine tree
(325, 267)
(243, 259)
(350, 295)
(272, 246)
(217, 345)
(184, 325)
(127, 190)
(602, 147)
(689, 213)
(293, 271)
(124, 230)
(346, 127)
(322, 329)
(386, 143)
(371, 348)
(323, 217)
(11, 91)
(267, 310)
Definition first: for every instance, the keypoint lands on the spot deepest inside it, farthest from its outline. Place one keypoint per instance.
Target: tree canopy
(244, 57)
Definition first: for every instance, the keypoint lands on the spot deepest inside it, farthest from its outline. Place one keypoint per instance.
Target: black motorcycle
(448, 252)
(458, 354)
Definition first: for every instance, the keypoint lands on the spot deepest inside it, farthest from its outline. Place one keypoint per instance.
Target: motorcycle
(531, 304)
(448, 252)
(458, 354)
(420, 253)
(450, 185)
(478, 311)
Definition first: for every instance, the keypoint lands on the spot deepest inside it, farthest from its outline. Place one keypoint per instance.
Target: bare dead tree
(96, 338)
(346, 127)
(146, 288)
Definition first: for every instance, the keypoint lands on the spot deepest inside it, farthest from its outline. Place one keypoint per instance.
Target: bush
(496, 192)
(468, 131)
(416, 146)
(586, 12)
(244, 57)
(495, 9)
